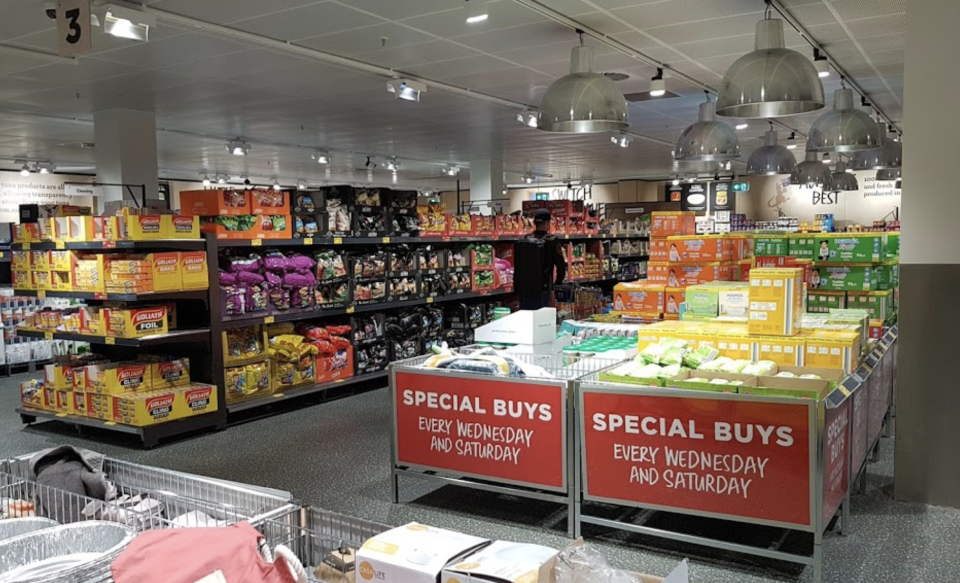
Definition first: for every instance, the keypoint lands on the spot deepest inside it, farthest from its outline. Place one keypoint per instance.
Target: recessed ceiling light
(393, 164)
(691, 179)
(45, 168)
(529, 178)
(742, 126)
(238, 147)
(658, 87)
(477, 11)
(451, 170)
(405, 89)
(676, 181)
(221, 179)
(321, 157)
(301, 184)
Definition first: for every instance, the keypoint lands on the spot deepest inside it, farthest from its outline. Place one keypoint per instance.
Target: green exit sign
(541, 196)
(741, 186)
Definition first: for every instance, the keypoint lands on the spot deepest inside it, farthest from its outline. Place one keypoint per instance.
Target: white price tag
(73, 28)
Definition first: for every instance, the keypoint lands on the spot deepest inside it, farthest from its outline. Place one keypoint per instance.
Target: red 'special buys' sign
(503, 430)
(742, 459)
(836, 458)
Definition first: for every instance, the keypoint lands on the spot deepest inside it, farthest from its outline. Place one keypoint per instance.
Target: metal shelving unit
(303, 391)
(173, 337)
(169, 244)
(199, 294)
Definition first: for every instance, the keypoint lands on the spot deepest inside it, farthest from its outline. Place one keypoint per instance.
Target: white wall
(35, 189)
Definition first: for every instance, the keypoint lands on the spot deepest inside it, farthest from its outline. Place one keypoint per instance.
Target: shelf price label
(278, 395)
(386, 240)
(256, 243)
(41, 293)
(99, 296)
(308, 241)
(351, 310)
(109, 340)
(48, 335)
(26, 246)
(338, 240)
(269, 319)
(429, 300)
(60, 245)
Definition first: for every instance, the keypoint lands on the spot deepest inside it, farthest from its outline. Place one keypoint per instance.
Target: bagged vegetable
(668, 372)
(760, 368)
(673, 355)
(734, 366)
(716, 364)
(700, 356)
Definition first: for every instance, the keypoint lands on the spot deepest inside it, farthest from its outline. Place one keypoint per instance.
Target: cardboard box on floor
(680, 574)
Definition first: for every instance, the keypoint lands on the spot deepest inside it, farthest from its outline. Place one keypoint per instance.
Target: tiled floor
(336, 455)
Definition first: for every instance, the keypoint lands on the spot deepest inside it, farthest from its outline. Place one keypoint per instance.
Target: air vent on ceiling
(645, 96)
(616, 76)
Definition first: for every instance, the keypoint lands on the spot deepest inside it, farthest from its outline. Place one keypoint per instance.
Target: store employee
(553, 258)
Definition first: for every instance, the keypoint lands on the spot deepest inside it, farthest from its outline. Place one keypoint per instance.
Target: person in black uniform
(552, 251)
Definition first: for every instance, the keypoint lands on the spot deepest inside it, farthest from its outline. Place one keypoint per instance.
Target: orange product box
(679, 275)
(671, 223)
(638, 297)
(339, 366)
(193, 270)
(674, 296)
(154, 271)
(135, 322)
(115, 378)
(216, 202)
(269, 202)
(698, 249)
(183, 227)
(264, 227)
(106, 228)
(659, 249)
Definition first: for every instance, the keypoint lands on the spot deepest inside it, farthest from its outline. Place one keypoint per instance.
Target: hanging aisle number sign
(73, 28)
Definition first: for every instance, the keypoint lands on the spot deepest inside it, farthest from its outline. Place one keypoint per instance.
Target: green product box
(893, 244)
(883, 276)
(790, 387)
(843, 278)
(682, 381)
(879, 305)
(802, 246)
(851, 248)
(628, 380)
(702, 301)
(771, 245)
(821, 302)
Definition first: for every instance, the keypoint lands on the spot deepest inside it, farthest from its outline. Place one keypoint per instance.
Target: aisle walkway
(336, 456)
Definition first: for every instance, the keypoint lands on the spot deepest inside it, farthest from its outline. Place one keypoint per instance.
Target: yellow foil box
(116, 378)
(183, 226)
(142, 227)
(154, 407)
(136, 322)
(169, 372)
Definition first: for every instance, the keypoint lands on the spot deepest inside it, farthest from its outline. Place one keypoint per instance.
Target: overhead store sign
(73, 28)
(73, 189)
(693, 197)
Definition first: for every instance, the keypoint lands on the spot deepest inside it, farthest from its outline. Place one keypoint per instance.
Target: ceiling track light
(771, 81)
(393, 164)
(405, 89)
(529, 178)
(128, 23)
(451, 170)
(821, 63)
(25, 170)
(221, 180)
(583, 102)
(676, 181)
(477, 11)
(792, 141)
(44, 168)
(238, 147)
(621, 140)
(528, 118)
(276, 185)
(206, 180)
(692, 179)
(707, 140)
(658, 87)
(301, 184)
(321, 157)
(844, 128)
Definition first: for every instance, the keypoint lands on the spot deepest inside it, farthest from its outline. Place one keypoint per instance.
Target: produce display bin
(499, 434)
(774, 461)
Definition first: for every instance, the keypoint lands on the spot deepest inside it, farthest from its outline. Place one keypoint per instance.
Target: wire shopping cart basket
(186, 499)
(313, 534)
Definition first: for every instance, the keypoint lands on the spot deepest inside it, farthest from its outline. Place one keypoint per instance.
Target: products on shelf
(402, 288)
(331, 265)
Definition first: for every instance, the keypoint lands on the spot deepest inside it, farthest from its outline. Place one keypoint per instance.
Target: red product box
(529, 206)
(337, 367)
(269, 202)
(215, 202)
(671, 223)
(484, 225)
(508, 225)
(461, 225)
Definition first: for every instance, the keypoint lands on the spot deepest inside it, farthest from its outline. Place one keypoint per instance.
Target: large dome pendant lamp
(771, 158)
(843, 181)
(707, 140)
(812, 172)
(771, 81)
(889, 156)
(843, 129)
(583, 102)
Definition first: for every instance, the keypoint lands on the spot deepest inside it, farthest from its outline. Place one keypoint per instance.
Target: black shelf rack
(208, 366)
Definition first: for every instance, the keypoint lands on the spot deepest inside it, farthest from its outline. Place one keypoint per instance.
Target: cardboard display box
(790, 387)
(802, 246)
(638, 297)
(832, 375)
(776, 301)
(215, 202)
(783, 350)
(502, 562)
(859, 278)
(413, 553)
(682, 381)
(879, 304)
(839, 350)
(152, 407)
(719, 299)
(821, 302)
(679, 275)
(851, 247)
(699, 249)
(671, 223)
(766, 245)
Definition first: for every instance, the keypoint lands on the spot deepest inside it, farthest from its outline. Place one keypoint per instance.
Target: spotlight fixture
(770, 81)
(206, 180)
(321, 157)
(826, 157)
(692, 179)
(45, 168)
(238, 147)
(528, 118)
(676, 181)
(128, 23)
(276, 185)
(451, 170)
(583, 102)
(621, 140)
(406, 90)
(707, 140)
(247, 185)
(844, 128)
(716, 177)
(742, 126)
(301, 184)
(728, 165)
(477, 11)
(822, 64)
(529, 178)
(393, 164)
(25, 170)
(792, 141)
(221, 179)
(658, 87)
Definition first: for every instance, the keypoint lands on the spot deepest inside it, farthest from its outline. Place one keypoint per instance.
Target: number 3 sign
(73, 27)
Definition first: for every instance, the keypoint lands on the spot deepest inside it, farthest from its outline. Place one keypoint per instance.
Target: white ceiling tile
(812, 14)
(638, 40)
(246, 62)
(878, 25)
(457, 67)
(731, 45)
(603, 22)
(679, 11)
(13, 63)
(741, 25)
(307, 21)
(227, 12)
(170, 51)
(23, 17)
(540, 33)
(452, 23)
(86, 70)
(397, 9)
(367, 39)
(856, 9)
(417, 54)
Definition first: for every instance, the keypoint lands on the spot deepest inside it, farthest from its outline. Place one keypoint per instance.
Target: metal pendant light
(583, 102)
(843, 129)
(887, 156)
(812, 171)
(889, 174)
(843, 180)
(771, 158)
(707, 140)
(771, 81)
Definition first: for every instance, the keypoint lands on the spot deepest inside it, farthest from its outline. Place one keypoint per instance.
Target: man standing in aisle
(552, 258)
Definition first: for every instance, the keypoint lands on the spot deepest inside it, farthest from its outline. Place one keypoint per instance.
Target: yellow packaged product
(117, 377)
(136, 322)
(833, 349)
(776, 301)
(786, 351)
(40, 260)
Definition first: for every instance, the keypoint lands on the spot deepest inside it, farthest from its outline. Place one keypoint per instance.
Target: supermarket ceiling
(209, 86)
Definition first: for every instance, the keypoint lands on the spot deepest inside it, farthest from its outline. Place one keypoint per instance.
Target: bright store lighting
(742, 126)
(658, 87)
(393, 164)
(206, 180)
(622, 141)
(127, 23)
(528, 118)
(406, 90)
(477, 11)
(676, 181)
(276, 185)
(529, 178)
(25, 170)
(823, 65)
(691, 180)
(221, 179)
(301, 184)
(792, 141)
(321, 157)
(238, 147)
(451, 170)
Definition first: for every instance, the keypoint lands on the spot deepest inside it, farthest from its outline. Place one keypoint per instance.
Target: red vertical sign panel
(491, 428)
(730, 457)
(836, 459)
